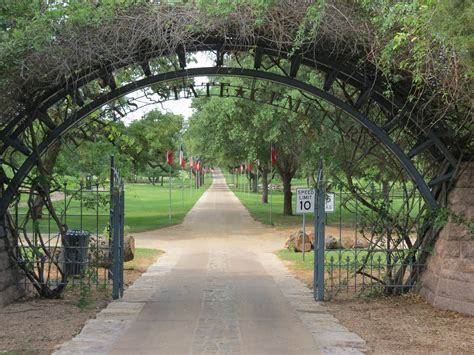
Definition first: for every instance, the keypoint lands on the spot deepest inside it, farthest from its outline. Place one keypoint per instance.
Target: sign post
(305, 203)
(325, 203)
(256, 201)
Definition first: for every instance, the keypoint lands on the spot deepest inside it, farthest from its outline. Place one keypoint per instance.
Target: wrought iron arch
(365, 92)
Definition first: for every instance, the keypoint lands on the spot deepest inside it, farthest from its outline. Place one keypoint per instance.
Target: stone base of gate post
(10, 289)
(448, 281)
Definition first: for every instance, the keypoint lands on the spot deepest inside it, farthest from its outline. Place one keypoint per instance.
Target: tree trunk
(135, 172)
(287, 194)
(385, 187)
(48, 163)
(162, 180)
(264, 186)
(254, 183)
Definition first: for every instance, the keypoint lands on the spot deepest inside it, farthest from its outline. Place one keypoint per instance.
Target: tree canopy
(423, 48)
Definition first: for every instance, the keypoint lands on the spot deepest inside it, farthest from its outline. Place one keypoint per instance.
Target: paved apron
(219, 289)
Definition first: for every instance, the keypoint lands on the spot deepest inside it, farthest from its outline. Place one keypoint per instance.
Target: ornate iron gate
(117, 215)
(74, 241)
(358, 251)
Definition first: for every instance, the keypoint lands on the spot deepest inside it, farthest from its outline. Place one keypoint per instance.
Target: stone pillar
(448, 281)
(9, 290)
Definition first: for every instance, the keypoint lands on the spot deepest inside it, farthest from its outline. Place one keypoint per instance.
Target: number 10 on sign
(306, 202)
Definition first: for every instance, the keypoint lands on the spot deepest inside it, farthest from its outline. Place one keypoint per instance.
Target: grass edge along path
(340, 258)
(347, 213)
(146, 206)
(143, 259)
(258, 210)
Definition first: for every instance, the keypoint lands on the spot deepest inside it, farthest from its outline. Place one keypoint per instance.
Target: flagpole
(241, 179)
(169, 212)
(191, 177)
(249, 181)
(256, 201)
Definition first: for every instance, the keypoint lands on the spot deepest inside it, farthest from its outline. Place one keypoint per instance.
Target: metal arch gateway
(367, 93)
(72, 121)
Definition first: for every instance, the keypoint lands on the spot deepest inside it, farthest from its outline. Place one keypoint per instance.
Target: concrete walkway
(219, 289)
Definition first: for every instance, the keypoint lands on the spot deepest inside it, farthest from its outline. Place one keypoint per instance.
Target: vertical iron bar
(111, 224)
(97, 237)
(340, 237)
(318, 277)
(122, 225)
(321, 221)
(65, 202)
(116, 248)
(81, 186)
(355, 240)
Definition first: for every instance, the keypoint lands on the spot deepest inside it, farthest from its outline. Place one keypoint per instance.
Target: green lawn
(346, 258)
(261, 212)
(348, 209)
(146, 208)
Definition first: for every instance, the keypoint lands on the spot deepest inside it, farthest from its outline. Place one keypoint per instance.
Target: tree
(232, 131)
(152, 136)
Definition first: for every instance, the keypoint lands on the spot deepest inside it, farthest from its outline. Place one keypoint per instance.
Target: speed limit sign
(305, 201)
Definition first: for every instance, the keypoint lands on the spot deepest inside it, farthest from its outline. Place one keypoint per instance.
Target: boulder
(295, 241)
(128, 248)
(359, 243)
(332, 242)
(99, 250)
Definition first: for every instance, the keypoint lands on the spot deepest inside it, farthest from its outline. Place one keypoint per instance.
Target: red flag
(169, 157)
(191, 164)
(198, 166)
(274, 154)
(250, 166)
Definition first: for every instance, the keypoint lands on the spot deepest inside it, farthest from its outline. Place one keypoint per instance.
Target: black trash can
(76, 248)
